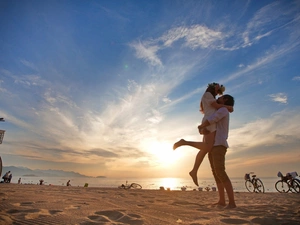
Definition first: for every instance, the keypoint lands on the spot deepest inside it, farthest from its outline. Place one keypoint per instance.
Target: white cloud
(147, 52)
(196, 36)
(279, 97)
(29, 64)
(267, 20)
(297, 78)
(279, 129)
(166, 100)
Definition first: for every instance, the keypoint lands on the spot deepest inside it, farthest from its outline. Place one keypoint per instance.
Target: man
(217, 154)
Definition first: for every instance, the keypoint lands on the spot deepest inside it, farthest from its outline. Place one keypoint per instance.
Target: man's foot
(230, 206)
(178, 144)
(194, 177)
(219, 204)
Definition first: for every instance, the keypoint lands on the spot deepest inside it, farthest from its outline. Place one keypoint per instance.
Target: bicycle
(254, 184)
(288, 183)
(132, 185)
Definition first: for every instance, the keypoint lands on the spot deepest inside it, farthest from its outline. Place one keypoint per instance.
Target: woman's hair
(210, 88)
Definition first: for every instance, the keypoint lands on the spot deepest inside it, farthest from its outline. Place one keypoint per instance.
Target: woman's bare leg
(204, 147)
(198, 145)
(209, 141)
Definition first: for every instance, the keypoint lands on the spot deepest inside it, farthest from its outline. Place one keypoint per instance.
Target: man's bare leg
(221, 191)
(230, 194)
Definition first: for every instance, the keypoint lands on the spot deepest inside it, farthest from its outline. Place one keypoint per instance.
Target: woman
(208, 105)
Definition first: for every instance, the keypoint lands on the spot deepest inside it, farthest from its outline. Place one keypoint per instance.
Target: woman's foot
(178, 143)
(194, 177)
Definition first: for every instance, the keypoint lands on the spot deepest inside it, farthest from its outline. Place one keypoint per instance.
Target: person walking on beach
(68, 183)
(217, 154)
(208, 105)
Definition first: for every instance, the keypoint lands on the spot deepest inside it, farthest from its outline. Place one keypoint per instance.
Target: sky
(105, 88)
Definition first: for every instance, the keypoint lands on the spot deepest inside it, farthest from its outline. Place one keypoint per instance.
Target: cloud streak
(279, 97)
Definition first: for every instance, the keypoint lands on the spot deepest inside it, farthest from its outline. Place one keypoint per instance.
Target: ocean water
(147, 183)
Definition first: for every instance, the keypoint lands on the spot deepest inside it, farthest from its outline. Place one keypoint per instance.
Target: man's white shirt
(221, 118)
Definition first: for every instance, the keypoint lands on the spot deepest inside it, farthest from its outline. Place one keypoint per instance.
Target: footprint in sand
(114, 216)
(184, 203)
(5, 219)
(26, 203)
(31, 213)
(234, 221)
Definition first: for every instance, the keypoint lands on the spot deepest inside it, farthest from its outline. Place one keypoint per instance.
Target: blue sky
(107, 87)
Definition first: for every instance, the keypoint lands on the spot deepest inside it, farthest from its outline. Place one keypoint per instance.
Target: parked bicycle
(288, 183)
(129, 186)
(254, 184)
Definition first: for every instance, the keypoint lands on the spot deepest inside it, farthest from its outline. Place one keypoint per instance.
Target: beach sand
(44, 204)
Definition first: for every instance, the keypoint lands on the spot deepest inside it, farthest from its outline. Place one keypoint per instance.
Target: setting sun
(164, 153)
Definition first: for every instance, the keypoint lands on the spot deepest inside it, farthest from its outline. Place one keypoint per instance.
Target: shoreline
(51, 204)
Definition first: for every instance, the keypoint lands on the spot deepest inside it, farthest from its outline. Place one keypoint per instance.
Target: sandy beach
(44, 204)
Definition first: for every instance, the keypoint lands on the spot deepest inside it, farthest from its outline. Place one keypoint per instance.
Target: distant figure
(6, 177)
(68, 183)
(41, 182)
(19, 181)
(9, 178)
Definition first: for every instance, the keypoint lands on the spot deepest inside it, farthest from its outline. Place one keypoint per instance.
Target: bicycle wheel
(249, 186)
(135, 186)
(259, 186)
(294, 185)
(282, 186)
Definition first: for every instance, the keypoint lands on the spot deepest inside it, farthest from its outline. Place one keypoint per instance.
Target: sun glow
(164, 152)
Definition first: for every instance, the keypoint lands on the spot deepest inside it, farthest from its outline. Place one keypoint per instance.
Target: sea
(146, 183)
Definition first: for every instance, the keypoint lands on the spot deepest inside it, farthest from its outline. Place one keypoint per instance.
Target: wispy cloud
(265, 133)
(297, 78)
(262, 24)
(193, 37)
(147, 52)
(29, 64)
(196, 36)
(279, 97)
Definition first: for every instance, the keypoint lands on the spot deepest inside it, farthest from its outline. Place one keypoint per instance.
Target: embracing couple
(214, 128)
